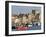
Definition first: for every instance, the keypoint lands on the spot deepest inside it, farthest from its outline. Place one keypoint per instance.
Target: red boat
(19, 28)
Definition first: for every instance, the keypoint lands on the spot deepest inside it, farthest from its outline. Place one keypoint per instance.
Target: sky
(23, 9)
